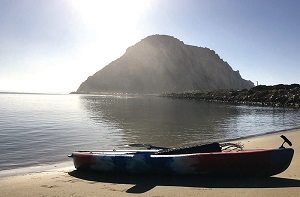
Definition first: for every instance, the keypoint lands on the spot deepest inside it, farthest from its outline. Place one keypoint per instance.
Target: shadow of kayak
(144, 183)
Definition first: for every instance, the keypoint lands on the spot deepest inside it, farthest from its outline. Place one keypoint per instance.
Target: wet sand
(64, 180)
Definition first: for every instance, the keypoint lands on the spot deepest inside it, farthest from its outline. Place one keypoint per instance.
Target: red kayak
(210, 159)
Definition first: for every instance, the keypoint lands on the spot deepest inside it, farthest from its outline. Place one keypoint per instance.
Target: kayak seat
(206, 148)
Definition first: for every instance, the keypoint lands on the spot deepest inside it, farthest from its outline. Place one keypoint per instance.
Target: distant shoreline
(33, 93)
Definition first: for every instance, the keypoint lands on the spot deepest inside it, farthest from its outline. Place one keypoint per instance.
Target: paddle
(148, 146)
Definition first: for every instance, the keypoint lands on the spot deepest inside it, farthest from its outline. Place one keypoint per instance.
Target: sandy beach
(64, 180)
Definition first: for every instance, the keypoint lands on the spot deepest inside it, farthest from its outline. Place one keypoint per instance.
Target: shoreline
(35, 169)
(263, 134)
(69, 164)
(64, 180)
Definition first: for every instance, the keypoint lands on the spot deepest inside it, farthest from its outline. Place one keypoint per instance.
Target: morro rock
(161, 63)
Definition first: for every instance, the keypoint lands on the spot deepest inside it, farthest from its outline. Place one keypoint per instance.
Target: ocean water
(40, 129)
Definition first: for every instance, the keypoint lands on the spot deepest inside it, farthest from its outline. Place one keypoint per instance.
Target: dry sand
(65, 181)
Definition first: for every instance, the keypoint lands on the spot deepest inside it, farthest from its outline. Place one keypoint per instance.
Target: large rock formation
(161, 63)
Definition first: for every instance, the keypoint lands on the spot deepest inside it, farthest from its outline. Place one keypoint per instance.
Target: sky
(53, 46)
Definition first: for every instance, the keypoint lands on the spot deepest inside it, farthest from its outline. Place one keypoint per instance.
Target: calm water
(42, 129)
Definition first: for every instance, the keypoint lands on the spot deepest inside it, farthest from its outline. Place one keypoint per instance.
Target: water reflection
(172, 122)
(38, 129)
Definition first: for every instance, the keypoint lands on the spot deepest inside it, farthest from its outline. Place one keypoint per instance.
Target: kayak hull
(266, 162)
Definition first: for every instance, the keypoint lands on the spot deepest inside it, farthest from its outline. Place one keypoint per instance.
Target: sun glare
(105, 28)
(111, 18)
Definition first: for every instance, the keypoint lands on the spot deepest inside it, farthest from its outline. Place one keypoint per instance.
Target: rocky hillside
(275, 96)
(161, 63)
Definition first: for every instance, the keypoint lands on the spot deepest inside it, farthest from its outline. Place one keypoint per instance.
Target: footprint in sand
(49, 186)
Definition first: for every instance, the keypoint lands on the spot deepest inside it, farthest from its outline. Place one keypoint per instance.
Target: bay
(40, 129)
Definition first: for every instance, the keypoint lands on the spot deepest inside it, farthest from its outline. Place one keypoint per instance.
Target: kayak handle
(285, 140)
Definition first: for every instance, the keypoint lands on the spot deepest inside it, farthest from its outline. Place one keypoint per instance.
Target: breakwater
(262, 95)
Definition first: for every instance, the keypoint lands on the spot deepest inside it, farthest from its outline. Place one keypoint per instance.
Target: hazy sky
(53, 45)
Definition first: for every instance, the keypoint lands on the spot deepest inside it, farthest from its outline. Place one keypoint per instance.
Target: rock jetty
(262, 95)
